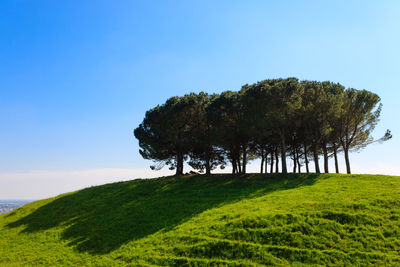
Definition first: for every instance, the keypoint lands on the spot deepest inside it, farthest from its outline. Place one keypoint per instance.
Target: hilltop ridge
(242, 220)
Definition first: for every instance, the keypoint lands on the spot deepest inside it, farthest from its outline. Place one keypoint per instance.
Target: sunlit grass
(325, 219)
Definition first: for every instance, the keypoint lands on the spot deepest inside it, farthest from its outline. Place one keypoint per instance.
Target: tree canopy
(274, 120)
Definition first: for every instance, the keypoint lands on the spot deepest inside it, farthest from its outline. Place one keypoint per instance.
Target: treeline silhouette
(275, 120)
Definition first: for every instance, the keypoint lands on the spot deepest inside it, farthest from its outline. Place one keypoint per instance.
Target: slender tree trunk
(179, 164)
(336, 159)
(346, 157)
(208, 166)
(316, 159)
(178, 171)
(305, 157)
(276, 161)
(271, 170)
(283, 155)
(233, 161)
(244, 159)
(239, 166)
(298, 162)
(298, 166)
(266, 162)
(262, 161)
(294, 161)
(326, 163)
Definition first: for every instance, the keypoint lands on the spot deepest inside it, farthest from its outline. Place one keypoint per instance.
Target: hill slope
(245, 221)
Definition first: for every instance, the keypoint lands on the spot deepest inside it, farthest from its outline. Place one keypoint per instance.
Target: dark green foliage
(230, 132)
(278, 117)
(357, 120)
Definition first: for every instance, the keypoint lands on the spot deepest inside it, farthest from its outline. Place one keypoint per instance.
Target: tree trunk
(271, 170)
(266, 162)
(326, 163)
(316, 159)
(262, 161)
(179, 164)
(346, 157)
(294, 161)
(234, 168)
(306, 159)
(244, 159)
(298, 166)
(276, 161)
(208, 167)
(298, 162)
(336, 159)
(283, 155)
(238, 165)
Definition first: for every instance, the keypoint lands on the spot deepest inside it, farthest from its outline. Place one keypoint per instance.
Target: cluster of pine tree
(275, 120)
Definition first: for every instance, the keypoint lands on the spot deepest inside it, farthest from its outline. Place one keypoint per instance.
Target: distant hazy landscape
(9, 205)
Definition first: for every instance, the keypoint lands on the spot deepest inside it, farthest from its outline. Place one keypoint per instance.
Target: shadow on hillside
(101, 219)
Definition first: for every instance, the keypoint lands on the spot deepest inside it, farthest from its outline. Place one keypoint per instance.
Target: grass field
(251, 220)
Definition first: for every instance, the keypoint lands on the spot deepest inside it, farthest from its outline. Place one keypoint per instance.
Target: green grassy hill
(228, 220)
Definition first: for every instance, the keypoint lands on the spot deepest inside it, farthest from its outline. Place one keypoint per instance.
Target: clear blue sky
(76, 77)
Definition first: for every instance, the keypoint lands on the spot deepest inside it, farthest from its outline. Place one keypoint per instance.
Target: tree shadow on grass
(100, 219)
